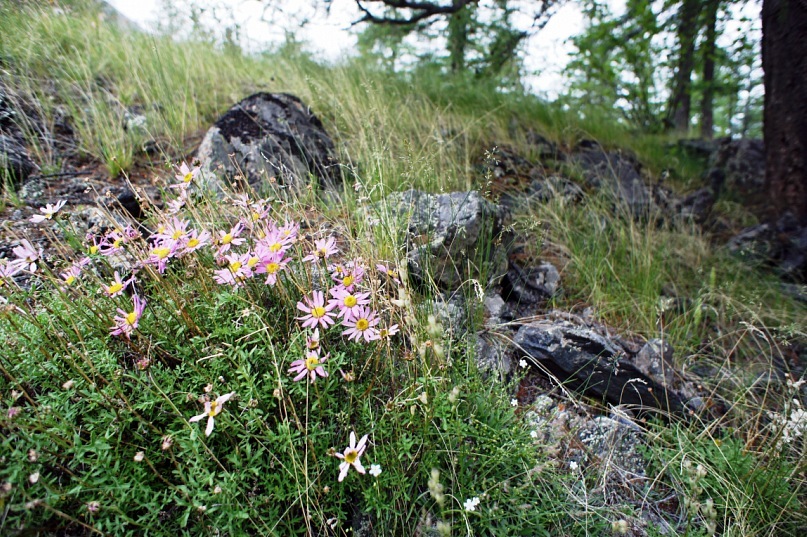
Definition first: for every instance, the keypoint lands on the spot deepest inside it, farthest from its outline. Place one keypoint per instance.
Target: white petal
(352, 439)
(343, 468)
(209, 428)
(362, 444)
(357, 465)
(197, 418)
(224, 398)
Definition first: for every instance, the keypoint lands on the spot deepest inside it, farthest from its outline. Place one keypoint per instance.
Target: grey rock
(526, 290)
(655, 360)
(452, 238)
(698, 205)
(614, 444)
(493, 356)
(593, 364)
(615, 171)
(15, 163)
(782, 245)
(554, 187)
(269, 136)
(738, 167)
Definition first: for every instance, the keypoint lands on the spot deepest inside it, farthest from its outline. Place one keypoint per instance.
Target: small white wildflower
(533, 434)
(375, 470)
(513, 402)
(139, 456)
(522, 363)
(573, 465)
(33, 478)
(471, 503)
(67, 385)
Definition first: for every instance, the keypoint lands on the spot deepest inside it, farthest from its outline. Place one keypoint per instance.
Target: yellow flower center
(114, 288)
(70, 279)
(347, 281)
(317, 311)
(275, 247)
(93, 249)
(193, 243)
(272, 267)
(161, 252)
(311, 363)
(214, 405)
(131, 318)
(383, 333)
(255, 216)
(117, 243)
(350, 301)
(177, 234)
(253, 261)
(234, 266)
(322, 252)
(351, 455)
(48, 216)
(362, 324)
(187, 178)
(227, 239)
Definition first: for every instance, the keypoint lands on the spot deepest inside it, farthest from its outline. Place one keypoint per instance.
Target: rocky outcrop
(274, 142)
(15, 163)
(451, 238)
(616, 171)
(589, 362)
(781, 245)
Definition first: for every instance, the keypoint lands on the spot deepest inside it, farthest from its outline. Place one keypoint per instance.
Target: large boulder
(781, 245)
(737, 167)
(616, 171)
(15, 163)
(452, 238)
(271, 140)
(592, 363)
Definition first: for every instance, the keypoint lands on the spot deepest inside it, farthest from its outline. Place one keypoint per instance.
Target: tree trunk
(679, 110)
(709, 47)
(458, 28)
(784, 61)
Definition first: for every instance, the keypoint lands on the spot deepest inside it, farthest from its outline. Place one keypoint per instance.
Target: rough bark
(709, 48)
(679, 110)
(458, 28)
(784, 61)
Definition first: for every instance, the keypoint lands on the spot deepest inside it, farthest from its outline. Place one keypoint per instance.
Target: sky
(545, 54)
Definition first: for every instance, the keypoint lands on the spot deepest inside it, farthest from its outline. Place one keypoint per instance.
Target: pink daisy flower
(362, 325)
(212, 409)
(162, 252)
(126, 322)
(230, 238)
(185, 176)
(352, 455)
(237, 271)
(27, 256)
(47, 212)
(271, 265)
(390, 272)
(310, 366)
(349, 304)
(348, 275)
(323, 249)
(318, 313)
(196, 241)
(312, 341)
(116, 287)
